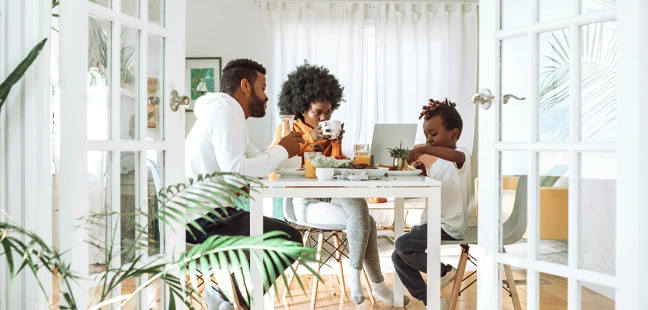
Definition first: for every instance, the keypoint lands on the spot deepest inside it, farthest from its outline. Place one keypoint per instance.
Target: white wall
(229, 29)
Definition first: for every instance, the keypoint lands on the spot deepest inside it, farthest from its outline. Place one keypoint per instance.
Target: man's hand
(414, 155)
(421, 166)
(317, 133)
(291, 143)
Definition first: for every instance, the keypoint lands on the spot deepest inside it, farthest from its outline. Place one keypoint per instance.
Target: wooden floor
(553, 295)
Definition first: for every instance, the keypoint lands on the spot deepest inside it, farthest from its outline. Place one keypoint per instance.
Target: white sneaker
(449, 277)
(443, 305)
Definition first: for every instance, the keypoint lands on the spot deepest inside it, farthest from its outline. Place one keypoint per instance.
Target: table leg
(256, 229)
(399, 227)
(434, 247)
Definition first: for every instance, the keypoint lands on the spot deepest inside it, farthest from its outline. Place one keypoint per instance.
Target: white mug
(331, 128)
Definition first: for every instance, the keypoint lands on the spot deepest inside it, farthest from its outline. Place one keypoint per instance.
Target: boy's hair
(446, 110)
(239, 69)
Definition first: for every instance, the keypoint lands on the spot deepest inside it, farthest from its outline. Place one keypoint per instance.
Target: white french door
(558, 141)
(121, 142)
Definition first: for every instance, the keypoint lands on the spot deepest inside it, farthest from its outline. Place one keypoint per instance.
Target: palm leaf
(20, 70)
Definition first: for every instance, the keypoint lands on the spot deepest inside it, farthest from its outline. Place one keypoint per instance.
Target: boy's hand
(414, 155)
(421, 166)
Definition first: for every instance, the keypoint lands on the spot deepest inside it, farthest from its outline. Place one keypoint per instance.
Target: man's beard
(257, 106)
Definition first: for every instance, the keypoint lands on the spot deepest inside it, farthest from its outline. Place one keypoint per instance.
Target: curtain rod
(370, 1)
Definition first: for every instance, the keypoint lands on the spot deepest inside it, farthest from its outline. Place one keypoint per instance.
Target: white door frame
(25, 176)
(632, 155)
(631, 148)
(74, 143)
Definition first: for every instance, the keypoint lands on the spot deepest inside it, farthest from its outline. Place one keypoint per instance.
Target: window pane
(155, 168)
(130, 7)
(598, 82)
(553, 183)
(156, 11)
(155, 111)
(129, 70)
(514, 174)
(554, 86)
(597, 214)
(99, 201)
(552, 9)
(594, 296)
(597, 5)
(99, 35)
(515, 13)
(515, 59)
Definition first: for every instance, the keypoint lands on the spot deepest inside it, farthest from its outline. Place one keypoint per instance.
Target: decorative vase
(400, 164)
(325, 173)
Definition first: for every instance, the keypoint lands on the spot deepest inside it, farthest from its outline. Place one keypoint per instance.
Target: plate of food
(374, 172)
(290, 171)
(402, 173)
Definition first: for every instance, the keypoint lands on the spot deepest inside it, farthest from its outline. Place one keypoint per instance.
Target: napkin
(355, 175)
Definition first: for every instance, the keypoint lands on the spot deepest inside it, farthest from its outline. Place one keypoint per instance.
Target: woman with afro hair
(312, 93)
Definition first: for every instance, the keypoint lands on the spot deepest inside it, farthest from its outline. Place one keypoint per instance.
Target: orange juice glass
(309, 169)
(362, 154)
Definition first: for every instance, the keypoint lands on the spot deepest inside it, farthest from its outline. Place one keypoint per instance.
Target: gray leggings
(361, 228)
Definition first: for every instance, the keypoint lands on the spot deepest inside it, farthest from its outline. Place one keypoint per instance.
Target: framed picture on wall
(203, 75)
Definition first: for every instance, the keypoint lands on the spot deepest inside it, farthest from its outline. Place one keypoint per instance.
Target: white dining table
(397, 187)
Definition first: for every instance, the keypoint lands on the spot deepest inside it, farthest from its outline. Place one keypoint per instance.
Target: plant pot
(400, 164)
(325, 173)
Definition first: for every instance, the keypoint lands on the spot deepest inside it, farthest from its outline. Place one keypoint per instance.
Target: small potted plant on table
(399, 154)
(325, 167)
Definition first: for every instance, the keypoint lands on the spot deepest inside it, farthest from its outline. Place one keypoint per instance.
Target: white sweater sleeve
(231, 144)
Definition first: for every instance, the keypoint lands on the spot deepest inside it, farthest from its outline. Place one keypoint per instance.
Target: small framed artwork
(203, 75)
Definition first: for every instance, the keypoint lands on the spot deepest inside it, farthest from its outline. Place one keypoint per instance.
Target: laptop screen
(390, 136)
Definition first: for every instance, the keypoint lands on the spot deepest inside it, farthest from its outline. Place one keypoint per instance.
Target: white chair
(310, 230)
(512, 231)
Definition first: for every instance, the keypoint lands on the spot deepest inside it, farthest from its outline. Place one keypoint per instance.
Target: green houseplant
(399, 154)
(24, 250)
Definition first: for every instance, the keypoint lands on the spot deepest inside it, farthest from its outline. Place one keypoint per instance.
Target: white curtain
(426, 51)
(322, 33)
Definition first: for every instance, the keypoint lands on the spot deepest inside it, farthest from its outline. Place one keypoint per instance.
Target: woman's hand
(338, 140)
(317, 133)
(421, 166)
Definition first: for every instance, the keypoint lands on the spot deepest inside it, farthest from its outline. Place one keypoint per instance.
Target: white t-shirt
(455, 194)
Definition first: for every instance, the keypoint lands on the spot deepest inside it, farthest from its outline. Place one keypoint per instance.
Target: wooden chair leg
(318, 257)
(512, 287)
(372, 299)
(338, 257)
(461, 269)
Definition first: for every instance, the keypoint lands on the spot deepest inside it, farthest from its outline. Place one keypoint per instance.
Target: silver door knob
(177, 100)
(506, 98)
(484, 98)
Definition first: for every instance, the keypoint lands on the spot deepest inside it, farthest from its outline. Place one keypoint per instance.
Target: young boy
(442, 128)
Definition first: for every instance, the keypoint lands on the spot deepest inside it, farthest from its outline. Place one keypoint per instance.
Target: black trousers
(236, 222)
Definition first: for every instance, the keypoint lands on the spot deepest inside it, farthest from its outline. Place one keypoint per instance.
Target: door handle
(509, 96)
(484, 97)
(177, 100)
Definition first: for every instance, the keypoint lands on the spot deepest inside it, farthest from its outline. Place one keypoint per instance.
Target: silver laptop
(390, 136)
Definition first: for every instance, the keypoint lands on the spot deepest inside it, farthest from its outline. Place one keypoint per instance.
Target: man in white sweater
(219, 142)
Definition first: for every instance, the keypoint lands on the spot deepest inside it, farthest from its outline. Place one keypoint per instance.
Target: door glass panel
(553, 292)
(107, 3)
(553, 99)
(129, 215)
(515, 13)
(513, 201)
(155, 168)
(597, 5)
(513, 275)
(130, 7)
(99, 201)
(594, 296)
(597, 214)
(598, 82)
(155, 111)
(129, 69)
(552, 9)
(553, 182)
(128, 286)
(154, 294)
(99, 42)
(515, 59)
(156, 11)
